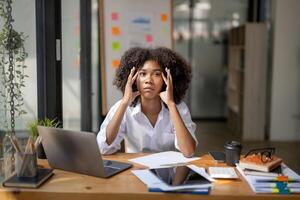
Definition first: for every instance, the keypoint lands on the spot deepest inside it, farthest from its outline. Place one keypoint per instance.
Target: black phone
(218, 156)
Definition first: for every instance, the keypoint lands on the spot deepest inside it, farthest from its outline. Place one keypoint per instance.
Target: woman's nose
(148, 79)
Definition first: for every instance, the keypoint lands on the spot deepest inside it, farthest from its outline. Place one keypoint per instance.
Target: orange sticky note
(163, 17)
(115, 63)
(114, 16)
(283, 178)
(115, 30)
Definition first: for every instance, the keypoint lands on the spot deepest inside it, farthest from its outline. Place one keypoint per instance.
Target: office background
(68, 87)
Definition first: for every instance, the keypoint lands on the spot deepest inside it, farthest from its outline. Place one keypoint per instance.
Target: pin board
(125, 24)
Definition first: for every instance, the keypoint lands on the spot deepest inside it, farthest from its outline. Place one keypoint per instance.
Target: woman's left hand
(167, 96)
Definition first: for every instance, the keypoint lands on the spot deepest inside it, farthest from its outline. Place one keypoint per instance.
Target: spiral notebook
(29, 182)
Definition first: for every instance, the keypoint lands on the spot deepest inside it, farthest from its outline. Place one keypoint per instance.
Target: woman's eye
(157, 74)
(142, 73)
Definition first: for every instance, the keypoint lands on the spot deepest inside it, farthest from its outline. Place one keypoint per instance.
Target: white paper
(163, 159)
(152, 181)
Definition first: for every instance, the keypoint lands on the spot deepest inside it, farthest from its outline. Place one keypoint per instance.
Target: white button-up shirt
(140, 135)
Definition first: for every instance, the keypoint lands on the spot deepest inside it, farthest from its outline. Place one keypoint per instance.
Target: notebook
(42, 176)
(254, 162)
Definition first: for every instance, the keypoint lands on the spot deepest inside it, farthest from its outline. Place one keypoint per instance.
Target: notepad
(29, 182)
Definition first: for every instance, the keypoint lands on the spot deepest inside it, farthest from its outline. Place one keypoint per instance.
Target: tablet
(179, 175)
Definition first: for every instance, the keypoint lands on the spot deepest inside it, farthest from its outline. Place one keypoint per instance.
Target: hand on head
(129, 95)
(167, 96)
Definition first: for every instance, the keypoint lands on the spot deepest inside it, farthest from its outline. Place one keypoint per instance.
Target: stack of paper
(167, 158)
(170, 166)
(154, 184)
(289, 182)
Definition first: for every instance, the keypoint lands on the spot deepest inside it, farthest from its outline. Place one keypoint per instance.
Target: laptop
(77, 151)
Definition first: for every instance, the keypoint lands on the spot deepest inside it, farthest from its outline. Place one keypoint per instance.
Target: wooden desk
(123, 186)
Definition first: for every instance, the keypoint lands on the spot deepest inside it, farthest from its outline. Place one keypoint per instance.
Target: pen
(15, 143)
(37, 141)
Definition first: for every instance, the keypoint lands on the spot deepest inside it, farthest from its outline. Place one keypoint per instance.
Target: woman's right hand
(129, 95)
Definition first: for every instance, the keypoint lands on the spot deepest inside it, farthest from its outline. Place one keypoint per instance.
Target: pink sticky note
(114, 16)
(149, 38)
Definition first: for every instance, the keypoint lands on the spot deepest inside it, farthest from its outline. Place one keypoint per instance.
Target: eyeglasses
(264, 153)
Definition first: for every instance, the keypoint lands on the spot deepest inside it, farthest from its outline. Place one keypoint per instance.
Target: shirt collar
(137, 109)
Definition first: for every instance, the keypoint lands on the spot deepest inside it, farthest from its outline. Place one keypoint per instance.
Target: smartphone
(218, 156)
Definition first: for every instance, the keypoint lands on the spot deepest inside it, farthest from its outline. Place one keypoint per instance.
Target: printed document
(163, 159)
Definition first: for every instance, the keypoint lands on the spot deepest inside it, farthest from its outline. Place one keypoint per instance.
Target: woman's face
(149, 81)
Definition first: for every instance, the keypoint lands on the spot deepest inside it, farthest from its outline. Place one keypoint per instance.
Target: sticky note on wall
(149, 38)
(114, 16)
(115, 63)
(115, 31)
(116, 46)
(163, 17)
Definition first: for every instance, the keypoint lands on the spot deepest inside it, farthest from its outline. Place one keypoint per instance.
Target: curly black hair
(166, 58)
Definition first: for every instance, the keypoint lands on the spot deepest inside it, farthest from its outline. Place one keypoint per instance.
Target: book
(254, 162)
(273, 173)
(288, 182)
(43, 174)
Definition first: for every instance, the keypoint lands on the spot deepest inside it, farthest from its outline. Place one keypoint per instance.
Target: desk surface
(67, 185)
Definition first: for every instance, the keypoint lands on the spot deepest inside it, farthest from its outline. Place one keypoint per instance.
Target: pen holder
(26, 164)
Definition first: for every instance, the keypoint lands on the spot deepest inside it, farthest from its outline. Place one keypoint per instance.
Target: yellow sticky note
(163, 17)
(115, 63)
(115, 30)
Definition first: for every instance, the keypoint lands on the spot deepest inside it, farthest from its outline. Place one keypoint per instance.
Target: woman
(151, 115)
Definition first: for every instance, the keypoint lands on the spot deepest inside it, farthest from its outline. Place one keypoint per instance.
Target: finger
(164, 77)
(134, 77)
(131, 72)
(162, 95)
(170, 75)
(129, 79)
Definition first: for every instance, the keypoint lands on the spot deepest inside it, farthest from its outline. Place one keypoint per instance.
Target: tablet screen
(180, 175)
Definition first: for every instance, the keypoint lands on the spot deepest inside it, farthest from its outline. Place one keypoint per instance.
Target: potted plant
(12, 80)
(33, 131)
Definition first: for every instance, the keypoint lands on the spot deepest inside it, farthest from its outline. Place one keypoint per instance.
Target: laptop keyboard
(107, 162)
(109, 170)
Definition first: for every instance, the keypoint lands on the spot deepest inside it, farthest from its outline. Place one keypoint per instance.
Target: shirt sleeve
(101, 137)
(187, 119)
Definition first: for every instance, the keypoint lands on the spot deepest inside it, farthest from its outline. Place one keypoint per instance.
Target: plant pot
(40, 152)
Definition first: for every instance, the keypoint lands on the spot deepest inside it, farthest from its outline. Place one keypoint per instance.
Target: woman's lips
(148, 89)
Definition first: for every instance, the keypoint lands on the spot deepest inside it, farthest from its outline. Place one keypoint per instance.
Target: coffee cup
(233, 152)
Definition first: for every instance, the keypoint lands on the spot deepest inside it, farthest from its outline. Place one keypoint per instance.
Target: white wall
(285, 99)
